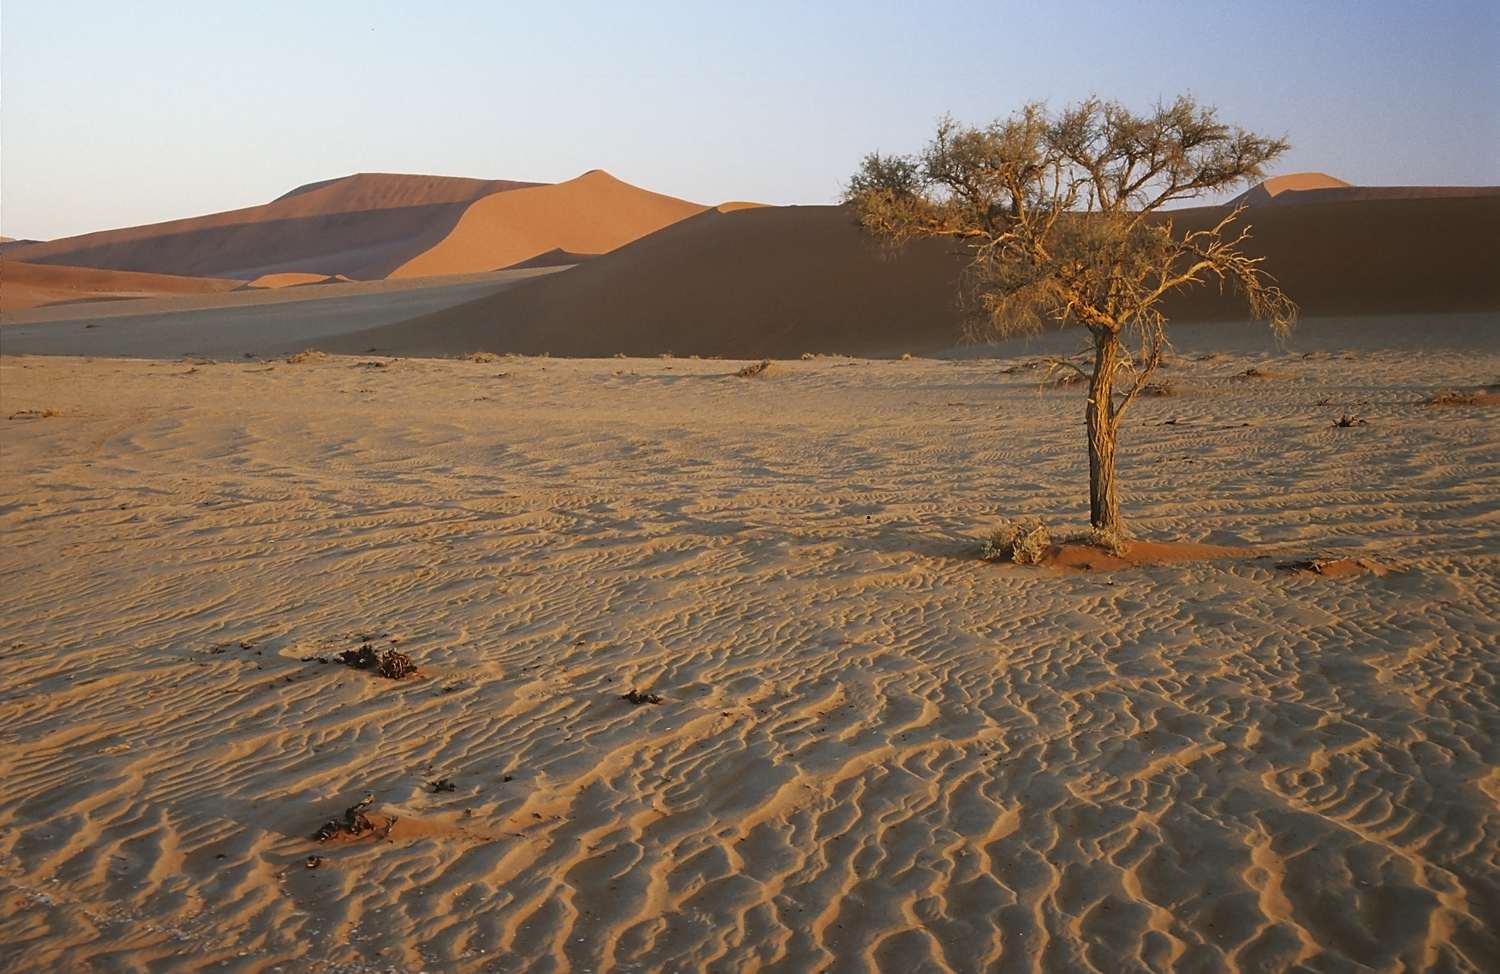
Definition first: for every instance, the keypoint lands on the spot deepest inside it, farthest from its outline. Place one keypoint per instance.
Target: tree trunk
(1104, 500)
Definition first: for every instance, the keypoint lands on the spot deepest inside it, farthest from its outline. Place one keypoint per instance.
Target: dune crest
(333, 227)
(591, 214)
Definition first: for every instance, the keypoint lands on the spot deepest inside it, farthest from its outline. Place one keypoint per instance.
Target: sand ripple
(874, 752)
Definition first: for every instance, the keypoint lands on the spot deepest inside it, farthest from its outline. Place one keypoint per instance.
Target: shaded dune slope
(1365, 257)
(334, 227)
(753, 282)
(592, 214)
(25, 285)
(781, 281)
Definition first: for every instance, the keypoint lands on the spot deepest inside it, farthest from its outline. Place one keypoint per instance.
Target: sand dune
(592, 214)
(1366, 257)
(24, 285)
(1316, 187)
(333, 227)
(372, 226)
(873, 752)
(782, 281)
(749, 283)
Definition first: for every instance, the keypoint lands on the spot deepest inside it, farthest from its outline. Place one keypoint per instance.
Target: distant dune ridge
(782, 281)
(374, 225)
(655, 274)
(24, 285)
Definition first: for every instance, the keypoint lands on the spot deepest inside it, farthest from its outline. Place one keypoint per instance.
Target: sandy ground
(261, 322)
(873, 752)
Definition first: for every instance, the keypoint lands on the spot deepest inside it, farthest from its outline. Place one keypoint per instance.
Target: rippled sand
(874, 752)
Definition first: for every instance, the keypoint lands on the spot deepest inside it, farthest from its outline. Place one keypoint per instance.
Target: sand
(592, 214)
(260, 322)
(873, 751)
(24, 286)
(334, 227)
(376, 225)
(784, 281)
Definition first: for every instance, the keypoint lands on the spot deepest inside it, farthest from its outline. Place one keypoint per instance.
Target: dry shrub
(482, 357)
(1024, 544)
(754, 369)
(391, 664)
(354, 824)
(310, 355)
(1452, 397)
(1112, 540)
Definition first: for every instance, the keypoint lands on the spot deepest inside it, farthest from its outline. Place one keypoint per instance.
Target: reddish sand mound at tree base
(1087, 557)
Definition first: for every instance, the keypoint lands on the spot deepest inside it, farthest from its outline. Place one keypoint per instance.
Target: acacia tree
(1061, 215)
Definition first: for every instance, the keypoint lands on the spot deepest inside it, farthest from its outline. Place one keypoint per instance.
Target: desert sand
(592, 214)
(24, 286)
(782, 281)
(872, 750)
(371, 226)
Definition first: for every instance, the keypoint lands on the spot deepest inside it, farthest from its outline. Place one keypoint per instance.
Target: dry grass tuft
(754, 369)
(1111, 540)
(391, 664)
(1452, 397)
(1024, 544)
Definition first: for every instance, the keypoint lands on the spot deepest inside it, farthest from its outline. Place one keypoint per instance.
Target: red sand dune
(25, 285)
(372, 226)
(754, 282)
(592, 214)
(337, 226)
(780, 281)
(1365, 257)
(1316, 187)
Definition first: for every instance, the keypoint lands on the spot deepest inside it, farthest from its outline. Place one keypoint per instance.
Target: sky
(116, 114)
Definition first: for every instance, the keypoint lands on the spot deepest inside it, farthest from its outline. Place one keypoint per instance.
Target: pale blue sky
(119, 113)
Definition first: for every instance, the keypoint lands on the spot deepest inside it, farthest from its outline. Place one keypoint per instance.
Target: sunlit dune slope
(752, 282)
(24, 285)
(781, 281)
(592, 214)
(333, 227)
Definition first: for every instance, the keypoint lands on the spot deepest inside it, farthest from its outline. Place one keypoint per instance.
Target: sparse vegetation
(1024, 544)
(1453, 397)
(1062, 216)
(1110, 539)
(391, 664)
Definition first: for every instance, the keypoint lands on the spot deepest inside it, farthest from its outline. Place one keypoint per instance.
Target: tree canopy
(1064, 217)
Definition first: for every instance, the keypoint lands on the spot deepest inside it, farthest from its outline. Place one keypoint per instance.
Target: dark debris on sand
(391, 664)
(354, 824)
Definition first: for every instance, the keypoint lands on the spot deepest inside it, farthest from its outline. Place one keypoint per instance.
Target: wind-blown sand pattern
(874, 752)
